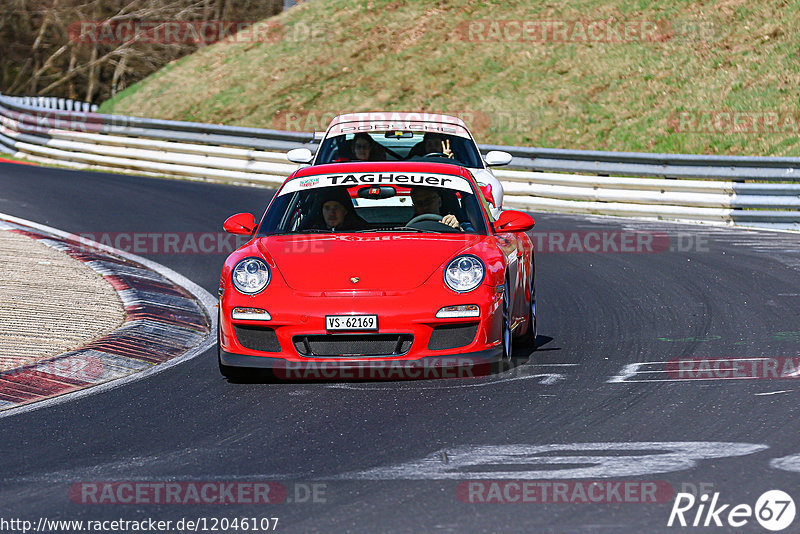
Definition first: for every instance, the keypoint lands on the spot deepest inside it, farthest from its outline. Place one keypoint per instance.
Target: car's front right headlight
(464, 273)
(250, 276)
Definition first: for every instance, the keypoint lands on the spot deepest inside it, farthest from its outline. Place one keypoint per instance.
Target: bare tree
(90, 49)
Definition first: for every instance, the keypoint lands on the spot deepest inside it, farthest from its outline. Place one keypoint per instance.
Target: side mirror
(486, 189)
(240, 224)
(513, 221)
(300, 155)
(497, 157)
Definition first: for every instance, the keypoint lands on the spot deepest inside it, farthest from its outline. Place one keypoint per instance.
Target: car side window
(486, 207)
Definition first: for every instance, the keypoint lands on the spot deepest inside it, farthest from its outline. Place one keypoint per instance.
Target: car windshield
(400, 146)
(445, 204)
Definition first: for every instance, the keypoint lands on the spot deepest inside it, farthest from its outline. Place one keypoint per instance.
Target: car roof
(379, 121)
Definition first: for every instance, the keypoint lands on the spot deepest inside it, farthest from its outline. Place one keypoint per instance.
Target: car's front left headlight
(250, 276)
(464, 273)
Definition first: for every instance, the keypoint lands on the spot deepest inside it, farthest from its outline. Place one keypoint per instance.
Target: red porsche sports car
(357, 267)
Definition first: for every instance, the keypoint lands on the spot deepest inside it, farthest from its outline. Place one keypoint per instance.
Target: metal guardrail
(734, 168)
(669, 186)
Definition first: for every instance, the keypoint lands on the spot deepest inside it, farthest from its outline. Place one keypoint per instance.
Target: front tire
(505, 332)
(529, 337)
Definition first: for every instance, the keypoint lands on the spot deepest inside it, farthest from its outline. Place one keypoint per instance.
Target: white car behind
(396, 136)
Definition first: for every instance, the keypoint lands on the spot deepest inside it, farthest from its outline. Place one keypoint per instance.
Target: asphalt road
(405, 456)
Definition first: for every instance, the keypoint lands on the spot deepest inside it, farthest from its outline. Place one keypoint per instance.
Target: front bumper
(411, 314)
(467, 365)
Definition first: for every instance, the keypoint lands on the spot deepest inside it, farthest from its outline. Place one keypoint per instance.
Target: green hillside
(669, 76)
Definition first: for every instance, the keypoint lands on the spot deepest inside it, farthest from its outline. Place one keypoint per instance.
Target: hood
(388, 262)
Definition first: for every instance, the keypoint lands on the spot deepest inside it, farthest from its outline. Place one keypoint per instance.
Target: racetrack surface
(391, 456)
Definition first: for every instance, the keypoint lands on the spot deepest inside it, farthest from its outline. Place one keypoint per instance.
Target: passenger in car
(333, 210)
(366, 149)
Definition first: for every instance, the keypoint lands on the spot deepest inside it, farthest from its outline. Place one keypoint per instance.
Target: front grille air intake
(452, 336)
(353, 345)
(257, 338)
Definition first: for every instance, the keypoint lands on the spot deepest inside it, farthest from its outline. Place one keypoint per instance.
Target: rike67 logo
(774, 510)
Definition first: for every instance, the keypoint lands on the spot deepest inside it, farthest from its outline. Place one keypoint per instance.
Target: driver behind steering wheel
(432, 143)
(429, 200)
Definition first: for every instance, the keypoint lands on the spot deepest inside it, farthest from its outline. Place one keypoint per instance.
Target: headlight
(464, 273)
(250, 276)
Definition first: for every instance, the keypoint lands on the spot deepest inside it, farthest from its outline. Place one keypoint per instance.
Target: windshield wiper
(312, 231)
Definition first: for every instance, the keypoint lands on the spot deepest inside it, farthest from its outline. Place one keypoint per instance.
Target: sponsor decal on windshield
(309, 182)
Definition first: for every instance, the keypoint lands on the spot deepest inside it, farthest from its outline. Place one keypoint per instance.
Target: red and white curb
(169, 319)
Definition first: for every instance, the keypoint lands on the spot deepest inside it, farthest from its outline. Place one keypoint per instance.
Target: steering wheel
(425, 217)
(436, 155)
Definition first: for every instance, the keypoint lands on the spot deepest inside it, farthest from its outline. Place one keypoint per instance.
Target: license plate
(351, 322)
